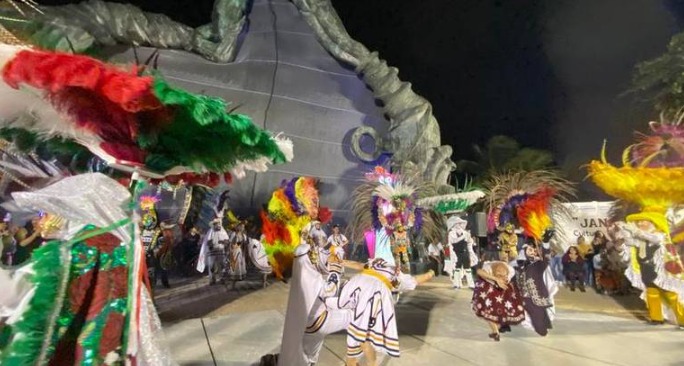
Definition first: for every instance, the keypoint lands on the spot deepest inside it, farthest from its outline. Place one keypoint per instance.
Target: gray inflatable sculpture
(292, 67)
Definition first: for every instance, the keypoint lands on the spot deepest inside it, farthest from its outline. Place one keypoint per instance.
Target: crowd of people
(599, 264)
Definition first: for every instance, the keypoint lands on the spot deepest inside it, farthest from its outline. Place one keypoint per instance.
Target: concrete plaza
(234, 326)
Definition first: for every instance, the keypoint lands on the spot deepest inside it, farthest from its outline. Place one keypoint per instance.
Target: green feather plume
(203, 134)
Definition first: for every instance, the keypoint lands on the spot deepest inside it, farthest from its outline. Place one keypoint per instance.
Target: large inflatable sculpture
(293, 69)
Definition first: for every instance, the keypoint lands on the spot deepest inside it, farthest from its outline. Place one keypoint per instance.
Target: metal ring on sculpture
(367, 157)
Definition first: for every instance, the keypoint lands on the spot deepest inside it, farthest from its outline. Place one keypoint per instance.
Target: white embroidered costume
(213, 253)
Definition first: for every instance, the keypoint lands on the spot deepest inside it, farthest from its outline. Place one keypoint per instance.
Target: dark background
(548, 73)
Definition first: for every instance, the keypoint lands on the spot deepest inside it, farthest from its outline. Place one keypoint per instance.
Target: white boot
(469, 278)
(457, 278)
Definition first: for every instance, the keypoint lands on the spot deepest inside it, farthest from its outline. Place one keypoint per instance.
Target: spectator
(191, 248)
(8, 244)
(586, 251)
(573, 268)
(29, 239)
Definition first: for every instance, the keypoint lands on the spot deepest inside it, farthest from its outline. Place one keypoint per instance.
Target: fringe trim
(31, 339)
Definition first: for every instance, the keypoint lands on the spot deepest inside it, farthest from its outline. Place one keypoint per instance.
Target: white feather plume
(260, 165)
(470, 197)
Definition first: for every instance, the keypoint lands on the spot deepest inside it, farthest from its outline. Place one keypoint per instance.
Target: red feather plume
(533, 213)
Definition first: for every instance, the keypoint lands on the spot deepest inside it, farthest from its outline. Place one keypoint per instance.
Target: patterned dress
(492, 303)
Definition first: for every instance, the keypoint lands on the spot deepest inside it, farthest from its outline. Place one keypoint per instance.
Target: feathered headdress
(654, 189)
(452, 203)
(292, 206)
(147, 203)
(134, 120)
(385, 199)
(526, 198)
(652, 176)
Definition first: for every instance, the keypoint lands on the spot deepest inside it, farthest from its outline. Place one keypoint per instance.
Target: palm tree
(501, 154)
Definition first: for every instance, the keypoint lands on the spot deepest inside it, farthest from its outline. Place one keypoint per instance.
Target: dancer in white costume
(308, 318)
(373, 327)
(462, 256)
(317, 307)
(213, 252)
(337, 241)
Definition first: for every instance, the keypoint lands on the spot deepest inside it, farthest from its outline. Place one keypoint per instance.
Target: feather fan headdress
(526, 198)
(385, 199)
(135, 120)
(452, 203)
(292, 206)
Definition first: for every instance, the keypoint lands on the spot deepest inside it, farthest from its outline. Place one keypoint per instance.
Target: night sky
(548, 73)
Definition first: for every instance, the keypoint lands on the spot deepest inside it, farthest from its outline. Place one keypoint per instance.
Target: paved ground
(224, 326)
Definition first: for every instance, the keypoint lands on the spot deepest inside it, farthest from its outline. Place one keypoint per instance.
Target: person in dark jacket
(573, 268)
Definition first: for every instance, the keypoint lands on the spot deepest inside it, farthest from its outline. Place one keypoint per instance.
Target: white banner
(585, 219)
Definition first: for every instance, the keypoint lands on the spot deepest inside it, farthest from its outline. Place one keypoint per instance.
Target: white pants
(216, 265)
(337, 320)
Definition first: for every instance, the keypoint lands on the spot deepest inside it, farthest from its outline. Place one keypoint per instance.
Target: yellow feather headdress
(654, 189)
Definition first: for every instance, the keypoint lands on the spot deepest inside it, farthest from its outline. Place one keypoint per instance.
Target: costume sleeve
(451, 237)
(649, 237)
(406, 282)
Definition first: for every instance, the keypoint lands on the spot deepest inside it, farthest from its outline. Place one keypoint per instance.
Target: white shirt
(338, 239)
(435, 249)
(319, 236)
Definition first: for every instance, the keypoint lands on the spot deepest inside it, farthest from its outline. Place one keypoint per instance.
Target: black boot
(572, 286)
(581, 287)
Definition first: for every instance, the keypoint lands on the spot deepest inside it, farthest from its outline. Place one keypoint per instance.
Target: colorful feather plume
(526, 199)
(385, 199)
(292, 206)
(533, 214)
(652, 188)
(147, 203)
(135, 120)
